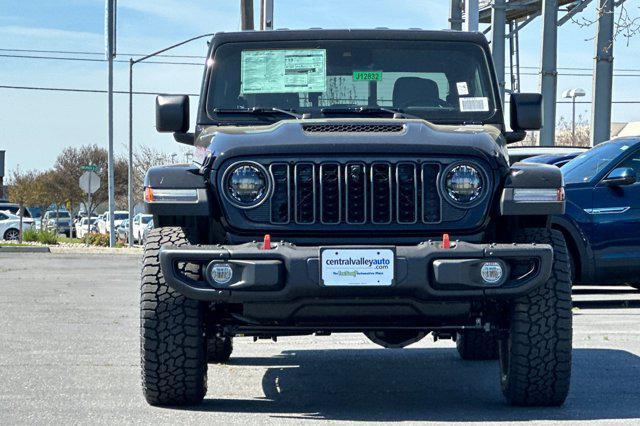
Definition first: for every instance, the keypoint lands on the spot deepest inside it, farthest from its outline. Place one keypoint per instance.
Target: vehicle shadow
(426, 384)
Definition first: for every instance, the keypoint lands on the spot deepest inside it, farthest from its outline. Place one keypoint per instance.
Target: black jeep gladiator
(354, 181)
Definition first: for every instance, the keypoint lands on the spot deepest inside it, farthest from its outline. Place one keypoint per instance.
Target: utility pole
(472, 13)
(498, 22)
(266, 15)
(455, 15)
(603, 75)
(246, 15)
(549, 73)
(110, 35)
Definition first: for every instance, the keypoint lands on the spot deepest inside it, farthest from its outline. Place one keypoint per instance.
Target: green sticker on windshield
(367, 76)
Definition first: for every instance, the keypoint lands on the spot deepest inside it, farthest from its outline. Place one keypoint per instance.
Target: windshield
(444, 82)
(120, 216)
(145, 219)
(586, 166)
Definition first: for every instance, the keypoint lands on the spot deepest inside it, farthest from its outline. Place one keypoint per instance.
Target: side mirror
(172, 114)
(621, 176)
(526, 111)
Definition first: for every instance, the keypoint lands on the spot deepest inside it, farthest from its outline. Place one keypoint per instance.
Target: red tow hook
(266, 244)
(446, 243)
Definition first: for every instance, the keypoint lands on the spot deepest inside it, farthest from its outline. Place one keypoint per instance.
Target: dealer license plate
(357, 267)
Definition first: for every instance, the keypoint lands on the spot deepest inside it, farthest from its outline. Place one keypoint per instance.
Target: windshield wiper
(397, 113)
(258, 111)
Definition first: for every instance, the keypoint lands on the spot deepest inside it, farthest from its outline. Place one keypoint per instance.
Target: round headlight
(246, 185)
(463, 183)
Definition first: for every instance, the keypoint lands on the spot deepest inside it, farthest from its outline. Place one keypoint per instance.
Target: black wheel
(535, 358)
(172, 331)
(219, 349)
(11, 234)
(477, 345)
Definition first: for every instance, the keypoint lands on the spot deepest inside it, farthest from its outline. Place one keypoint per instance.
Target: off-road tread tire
(477, 345)
(219, 349)
(172, 333)
(536, 357)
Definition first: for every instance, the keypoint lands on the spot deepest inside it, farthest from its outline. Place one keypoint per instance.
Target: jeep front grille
(355, 193)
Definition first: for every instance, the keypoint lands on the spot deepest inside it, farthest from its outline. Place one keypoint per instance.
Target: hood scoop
(353, 128)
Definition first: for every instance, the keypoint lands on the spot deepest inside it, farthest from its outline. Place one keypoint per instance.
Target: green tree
(23, 191)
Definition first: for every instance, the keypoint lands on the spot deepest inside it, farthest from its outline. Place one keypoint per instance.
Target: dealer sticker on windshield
(474, 104)
(367, 76)
(357, 267)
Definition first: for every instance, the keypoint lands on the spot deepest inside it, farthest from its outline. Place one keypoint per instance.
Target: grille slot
(407, 192)
(352, 128)
(355, 193)
(330, 193)
(381, 193)
(431, 202)
(280, 211)
(305, 192)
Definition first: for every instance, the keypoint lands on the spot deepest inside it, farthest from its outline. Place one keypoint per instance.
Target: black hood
(354, 137)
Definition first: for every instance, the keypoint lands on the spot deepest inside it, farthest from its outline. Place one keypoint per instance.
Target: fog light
(491, 272)
(221, 273)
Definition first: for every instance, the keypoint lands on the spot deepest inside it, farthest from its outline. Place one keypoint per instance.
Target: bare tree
(565, 136)
(143, 159)
(627, 22)
(69, 167)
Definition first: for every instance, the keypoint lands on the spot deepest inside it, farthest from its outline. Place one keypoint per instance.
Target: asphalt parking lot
(69, 354)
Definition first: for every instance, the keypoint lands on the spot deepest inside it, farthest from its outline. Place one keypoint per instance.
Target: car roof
(349, 34)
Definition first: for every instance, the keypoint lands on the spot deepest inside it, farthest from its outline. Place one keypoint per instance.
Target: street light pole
(132, 62)
(111, 179)
(573, 94)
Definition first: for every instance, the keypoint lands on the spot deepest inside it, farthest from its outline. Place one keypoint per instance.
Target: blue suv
(602, 219)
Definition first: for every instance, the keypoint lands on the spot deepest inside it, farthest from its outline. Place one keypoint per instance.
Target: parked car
(519, 153)
(58, 221)
(602, 219)
(14, 208)
(139, 223)
(148, 227)
(101, 224)
(122, 231)
(83, 224)
(118, 217)
(10, 225)
(557, 160)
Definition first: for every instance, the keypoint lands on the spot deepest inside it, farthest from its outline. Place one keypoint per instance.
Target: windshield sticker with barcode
(463, 90)
(479, 104)
(283, 71)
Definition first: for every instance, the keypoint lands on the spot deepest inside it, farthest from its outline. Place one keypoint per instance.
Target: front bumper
(289, 274)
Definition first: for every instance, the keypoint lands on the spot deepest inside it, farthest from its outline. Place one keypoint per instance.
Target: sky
(36, 125)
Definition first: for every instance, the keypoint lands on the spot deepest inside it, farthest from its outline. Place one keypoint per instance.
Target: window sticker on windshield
(367, 76)
(283, 71)
(463, 90)
(479, 104)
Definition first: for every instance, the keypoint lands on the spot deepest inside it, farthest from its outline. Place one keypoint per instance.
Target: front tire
(172, 331)
(535, 358)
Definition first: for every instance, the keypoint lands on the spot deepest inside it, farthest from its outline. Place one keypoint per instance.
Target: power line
(78, 90)
(61, 58)
(76, 52)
